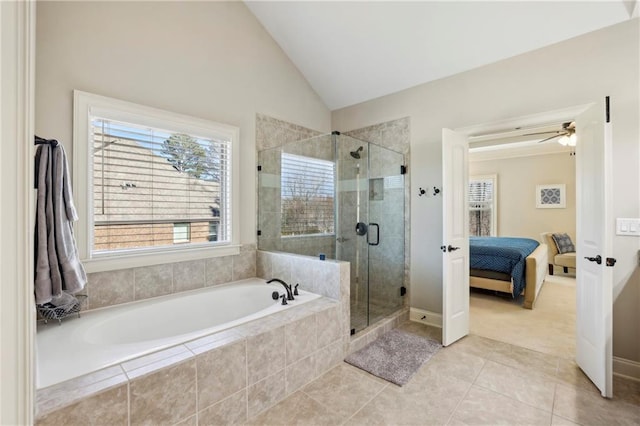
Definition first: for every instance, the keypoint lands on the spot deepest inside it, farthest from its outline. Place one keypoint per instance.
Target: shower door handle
(377, 234)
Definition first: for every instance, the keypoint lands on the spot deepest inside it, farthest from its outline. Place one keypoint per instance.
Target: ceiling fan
(567, 134)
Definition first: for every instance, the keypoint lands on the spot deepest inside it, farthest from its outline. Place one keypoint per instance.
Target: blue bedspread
(502, 254)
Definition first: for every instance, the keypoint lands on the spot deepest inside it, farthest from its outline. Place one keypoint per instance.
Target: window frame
(494, 203)
(86, 105)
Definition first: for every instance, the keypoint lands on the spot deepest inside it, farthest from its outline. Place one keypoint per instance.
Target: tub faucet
(286, 286)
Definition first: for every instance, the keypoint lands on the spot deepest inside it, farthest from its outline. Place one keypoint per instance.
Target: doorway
(594, 242)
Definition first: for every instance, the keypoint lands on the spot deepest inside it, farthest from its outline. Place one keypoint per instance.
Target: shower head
(356, 154)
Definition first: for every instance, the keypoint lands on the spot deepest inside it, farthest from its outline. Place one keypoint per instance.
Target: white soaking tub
(108, 336)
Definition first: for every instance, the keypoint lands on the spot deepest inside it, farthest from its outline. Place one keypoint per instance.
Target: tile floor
(476, 381)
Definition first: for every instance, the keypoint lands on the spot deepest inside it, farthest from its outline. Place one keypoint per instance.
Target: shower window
(307, 196)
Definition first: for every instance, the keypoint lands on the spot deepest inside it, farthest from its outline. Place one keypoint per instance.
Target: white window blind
(146, 179)
(482, 206)
(307, 195)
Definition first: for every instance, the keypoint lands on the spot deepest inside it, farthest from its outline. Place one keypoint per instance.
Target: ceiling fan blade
(552, 137)
(542, 133)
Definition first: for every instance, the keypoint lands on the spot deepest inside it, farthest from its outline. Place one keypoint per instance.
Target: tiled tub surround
(223, 378)
(127, 285)
(105, 337)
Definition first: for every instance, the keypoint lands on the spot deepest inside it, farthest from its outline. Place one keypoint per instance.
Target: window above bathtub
(150, 185)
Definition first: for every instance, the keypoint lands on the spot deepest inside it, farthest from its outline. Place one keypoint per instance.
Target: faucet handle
(284, 299)
(295, 290)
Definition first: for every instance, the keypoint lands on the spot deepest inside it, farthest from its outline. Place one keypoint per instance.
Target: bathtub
(108, 336)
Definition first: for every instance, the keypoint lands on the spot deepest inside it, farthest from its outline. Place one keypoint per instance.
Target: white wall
(517, 180)
(211, 60)
(574, 72)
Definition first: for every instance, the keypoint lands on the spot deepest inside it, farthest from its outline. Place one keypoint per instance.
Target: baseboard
(626, 368)
(425, 317)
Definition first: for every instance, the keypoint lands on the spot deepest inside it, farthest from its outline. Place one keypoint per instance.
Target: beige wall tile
(244, 265)
(265, 354)
(329, 357)
(188, 275)
(300, 339)
(221, 372)
(219, 270)
(164, 397)
(110, 288)
(263, 264)
(300, 373)
(329, 326)
(106, 408)
(230, 411)
(265, 393)
(152, 281)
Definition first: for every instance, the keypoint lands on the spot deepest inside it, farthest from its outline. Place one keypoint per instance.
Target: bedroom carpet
(548, 328)
(395, 356)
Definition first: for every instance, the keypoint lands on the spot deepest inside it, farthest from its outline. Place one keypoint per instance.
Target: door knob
(451, 248)
(596, 259)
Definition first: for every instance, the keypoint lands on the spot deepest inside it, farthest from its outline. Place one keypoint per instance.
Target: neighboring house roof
(133, 183)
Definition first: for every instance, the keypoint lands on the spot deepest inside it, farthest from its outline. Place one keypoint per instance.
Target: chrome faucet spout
(286, 286)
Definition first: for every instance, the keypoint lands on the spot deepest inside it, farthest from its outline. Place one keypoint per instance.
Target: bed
(508, 264)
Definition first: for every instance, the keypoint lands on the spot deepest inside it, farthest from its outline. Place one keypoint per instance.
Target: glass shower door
(370, 227)
(386, 232)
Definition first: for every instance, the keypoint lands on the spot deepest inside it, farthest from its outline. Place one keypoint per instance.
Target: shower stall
(344, 198)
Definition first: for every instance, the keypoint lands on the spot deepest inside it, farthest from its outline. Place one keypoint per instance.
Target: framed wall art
(551, 196)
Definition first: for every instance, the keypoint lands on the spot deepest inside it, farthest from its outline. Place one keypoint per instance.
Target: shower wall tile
(110, 288)
(219, 270)
(152, 281)
(271, 132)
(188, 275)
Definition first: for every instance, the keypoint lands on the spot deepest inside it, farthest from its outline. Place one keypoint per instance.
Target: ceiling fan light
(572, 139)
(564, 140)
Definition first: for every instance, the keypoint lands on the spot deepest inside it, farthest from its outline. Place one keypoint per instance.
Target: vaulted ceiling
(351, 52)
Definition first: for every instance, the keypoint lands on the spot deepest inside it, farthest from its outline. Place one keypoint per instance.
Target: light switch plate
(628, 226)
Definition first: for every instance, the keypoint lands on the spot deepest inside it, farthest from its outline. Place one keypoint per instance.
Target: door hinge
(259, 232)
(403, 291)
(403, 169)
(259, 168)
(610, 261)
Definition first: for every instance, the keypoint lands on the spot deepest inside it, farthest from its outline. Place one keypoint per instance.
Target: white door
(455, 239)
(594, 246)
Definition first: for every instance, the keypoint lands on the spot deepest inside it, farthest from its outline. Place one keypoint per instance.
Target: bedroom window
(483, 205)
(152, 185)
(307, 196)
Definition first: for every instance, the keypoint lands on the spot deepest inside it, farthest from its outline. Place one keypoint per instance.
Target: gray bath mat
(395, 356)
